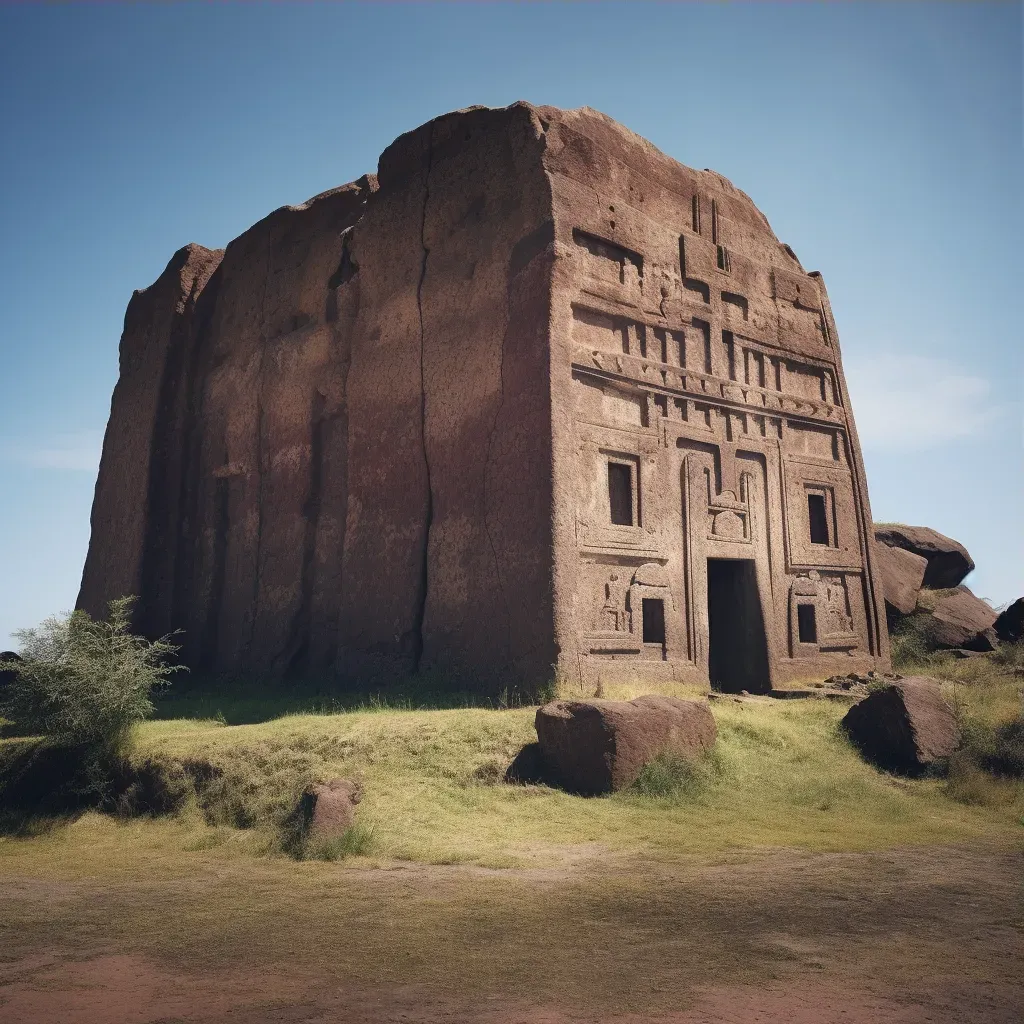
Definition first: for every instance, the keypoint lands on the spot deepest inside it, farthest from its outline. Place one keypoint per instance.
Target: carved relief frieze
(821, 617)
(729, 516)
(619, 591)
(651, 356)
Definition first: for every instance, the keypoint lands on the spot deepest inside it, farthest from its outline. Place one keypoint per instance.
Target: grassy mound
(782, 774)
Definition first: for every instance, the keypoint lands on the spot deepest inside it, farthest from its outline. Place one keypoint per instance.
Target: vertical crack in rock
(421, 609)
(258, 568)
(297, 649)
(487, 466)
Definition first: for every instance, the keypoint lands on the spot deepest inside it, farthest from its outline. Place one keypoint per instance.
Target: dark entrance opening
(738, 656)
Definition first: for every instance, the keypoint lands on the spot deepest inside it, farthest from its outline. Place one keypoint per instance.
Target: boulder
(601, 746)
(902, 575)
(958, 619)
(1009, 624)
(948, 561)
(904, 726)
(328, 809)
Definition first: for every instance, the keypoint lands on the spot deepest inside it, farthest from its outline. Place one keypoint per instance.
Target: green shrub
(1010, 656)
(355, 841)
(85, 683)
(909, 642)
(676, 778)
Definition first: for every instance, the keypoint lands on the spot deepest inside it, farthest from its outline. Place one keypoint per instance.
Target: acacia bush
(84, 683)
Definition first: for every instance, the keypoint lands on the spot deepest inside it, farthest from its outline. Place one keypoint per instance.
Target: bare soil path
(931, 934)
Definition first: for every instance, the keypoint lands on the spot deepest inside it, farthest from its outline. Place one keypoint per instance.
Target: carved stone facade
(537, 398)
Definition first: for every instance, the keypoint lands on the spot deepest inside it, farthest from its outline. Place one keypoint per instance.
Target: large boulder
(328, 809)
(1009, 624)
(902, 575)
(958, 619)
(948, 560)
(904, 726)
(600, 746)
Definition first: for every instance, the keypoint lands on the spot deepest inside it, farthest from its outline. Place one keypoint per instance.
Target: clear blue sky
(883, 142)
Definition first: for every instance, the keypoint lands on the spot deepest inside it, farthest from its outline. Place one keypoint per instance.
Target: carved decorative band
(683, 383)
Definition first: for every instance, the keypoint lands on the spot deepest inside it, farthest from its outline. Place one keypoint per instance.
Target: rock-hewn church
(533, 400)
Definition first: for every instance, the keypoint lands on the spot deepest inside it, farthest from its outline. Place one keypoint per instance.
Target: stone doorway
(738, 648)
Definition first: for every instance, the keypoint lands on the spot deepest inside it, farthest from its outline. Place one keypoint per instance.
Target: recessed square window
(817, 517)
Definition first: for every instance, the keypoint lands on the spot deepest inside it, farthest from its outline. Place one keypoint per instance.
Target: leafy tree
(85, 683)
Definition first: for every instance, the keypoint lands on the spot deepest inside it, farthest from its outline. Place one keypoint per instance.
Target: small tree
(85, 683)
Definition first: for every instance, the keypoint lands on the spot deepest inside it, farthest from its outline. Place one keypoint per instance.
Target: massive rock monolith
(534, 399)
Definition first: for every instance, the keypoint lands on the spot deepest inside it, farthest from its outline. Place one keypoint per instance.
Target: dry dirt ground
(902, 936)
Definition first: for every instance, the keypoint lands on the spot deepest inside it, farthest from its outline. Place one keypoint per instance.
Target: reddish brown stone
(600, 746)
(902, 576)
(957, 619)
(904, 726)
(537, 399)
(328, 810)
(948, 560)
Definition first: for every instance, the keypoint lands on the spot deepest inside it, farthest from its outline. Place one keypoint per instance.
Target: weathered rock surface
(948, 560)
(601, 746)
(1009, 625)
(328, 809)
(902, 574)
(904, 726)
(958, 619)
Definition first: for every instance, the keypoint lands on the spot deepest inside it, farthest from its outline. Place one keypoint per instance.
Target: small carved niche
(625, 259)
(698, 346)
(738, 304)
(691, 283)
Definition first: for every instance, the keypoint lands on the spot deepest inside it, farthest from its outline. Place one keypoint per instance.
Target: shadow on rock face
(528, 768)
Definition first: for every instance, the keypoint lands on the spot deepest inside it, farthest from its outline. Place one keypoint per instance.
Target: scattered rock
(902, 575)
(948, 560)
(328, 809)
(904, 726)
(958, 619)
(1009, 625)
(601, 746)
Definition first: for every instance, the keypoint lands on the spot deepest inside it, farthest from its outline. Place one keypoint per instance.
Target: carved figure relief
(613, 613)
(838, 620)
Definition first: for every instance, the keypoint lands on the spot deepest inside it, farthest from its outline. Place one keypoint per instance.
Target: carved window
(723, 258)
(806, 624)
(818, 518)
(623, 506)
(653, 612)
(695, 213)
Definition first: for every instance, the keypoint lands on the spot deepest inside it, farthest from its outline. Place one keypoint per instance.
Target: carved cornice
(680, 382)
